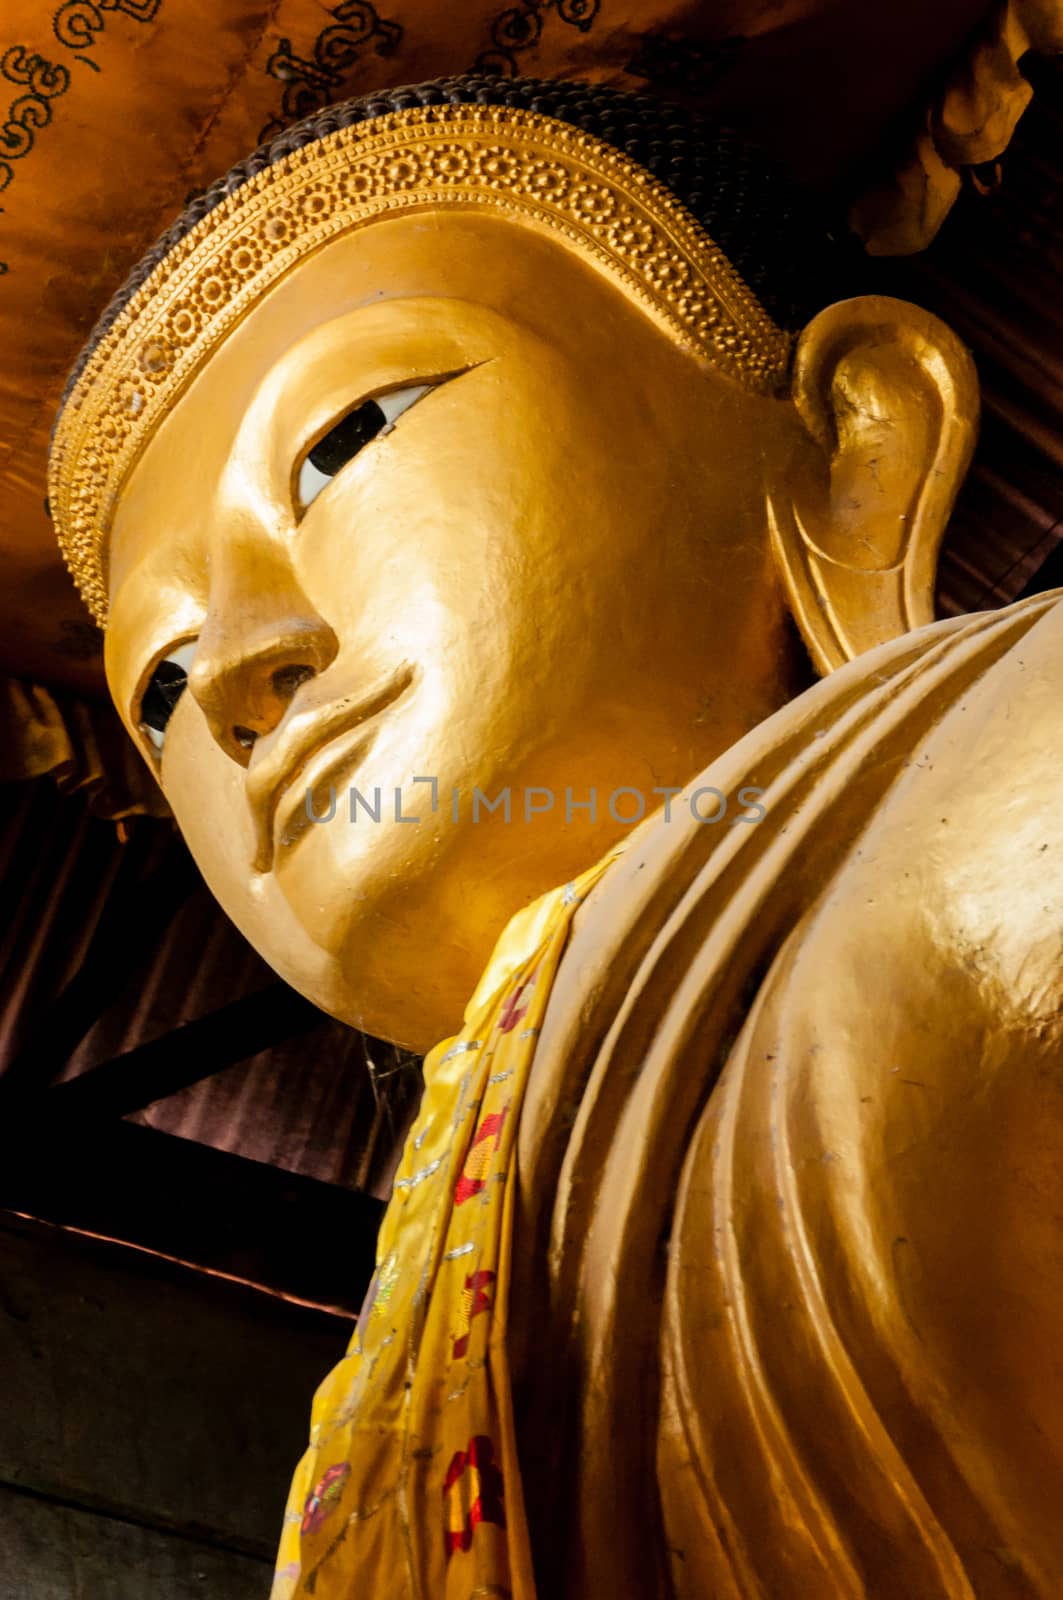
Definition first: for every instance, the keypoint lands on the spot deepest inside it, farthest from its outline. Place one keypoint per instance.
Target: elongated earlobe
(890, 397)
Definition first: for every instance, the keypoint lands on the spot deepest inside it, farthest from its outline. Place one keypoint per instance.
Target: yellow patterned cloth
(411, 1479)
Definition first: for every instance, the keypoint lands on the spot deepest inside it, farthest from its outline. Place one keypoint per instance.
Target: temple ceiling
(118, 110)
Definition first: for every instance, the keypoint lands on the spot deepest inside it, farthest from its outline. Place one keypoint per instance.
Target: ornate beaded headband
(535, 169)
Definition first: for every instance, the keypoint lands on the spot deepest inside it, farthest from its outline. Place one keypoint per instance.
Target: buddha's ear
(890, 397)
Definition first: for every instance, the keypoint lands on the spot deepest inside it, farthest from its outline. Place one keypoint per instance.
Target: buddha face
(447, 517)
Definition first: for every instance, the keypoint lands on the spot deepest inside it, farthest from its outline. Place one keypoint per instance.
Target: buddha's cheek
(384, 923)
(205, 790)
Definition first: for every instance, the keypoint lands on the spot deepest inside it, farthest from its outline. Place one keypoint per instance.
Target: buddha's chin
(405, 915)
(402, 930)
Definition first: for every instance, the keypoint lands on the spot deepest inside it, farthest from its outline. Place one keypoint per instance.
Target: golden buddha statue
(457, 454)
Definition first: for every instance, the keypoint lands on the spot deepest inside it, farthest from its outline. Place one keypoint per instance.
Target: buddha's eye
(351, 434)
(165, 687)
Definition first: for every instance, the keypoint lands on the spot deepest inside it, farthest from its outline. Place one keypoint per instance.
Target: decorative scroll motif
(520, 28)
(40, 82)
(77, 22)
(75, 25)
(310, 84)
(606, 208)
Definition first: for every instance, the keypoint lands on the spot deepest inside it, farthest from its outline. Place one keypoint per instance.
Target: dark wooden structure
(192, 1165)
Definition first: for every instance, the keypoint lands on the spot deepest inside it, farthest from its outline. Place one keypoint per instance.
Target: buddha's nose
(251, 658)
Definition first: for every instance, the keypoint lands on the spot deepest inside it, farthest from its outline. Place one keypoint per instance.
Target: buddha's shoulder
(981, 780)
(955, 885)
(912, 797)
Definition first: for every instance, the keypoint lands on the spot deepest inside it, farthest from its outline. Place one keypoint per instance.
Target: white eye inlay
(165, 687)
(311, 482)
(350, 435)
(184, 656)
(400, 400)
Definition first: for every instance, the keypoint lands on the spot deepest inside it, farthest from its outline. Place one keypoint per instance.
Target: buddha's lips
(280, 761)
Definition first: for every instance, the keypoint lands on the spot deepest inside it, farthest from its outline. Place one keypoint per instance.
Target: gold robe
(785, 1269)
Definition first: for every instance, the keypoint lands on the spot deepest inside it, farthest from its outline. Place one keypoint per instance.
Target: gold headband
(533, 168)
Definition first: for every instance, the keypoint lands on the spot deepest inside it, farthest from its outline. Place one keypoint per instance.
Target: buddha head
(475, 441)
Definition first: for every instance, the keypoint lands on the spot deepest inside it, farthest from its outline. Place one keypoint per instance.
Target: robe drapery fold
(785, 1295)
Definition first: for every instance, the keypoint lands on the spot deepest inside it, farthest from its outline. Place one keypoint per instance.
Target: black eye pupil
(349, 436)
(162, 694)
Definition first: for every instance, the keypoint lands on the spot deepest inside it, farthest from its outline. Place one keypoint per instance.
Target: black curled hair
(773, 235)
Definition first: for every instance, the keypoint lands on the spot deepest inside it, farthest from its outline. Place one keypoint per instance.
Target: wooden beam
(145, 901)
(288, 1235)
(188, 1054)
(1049, 574)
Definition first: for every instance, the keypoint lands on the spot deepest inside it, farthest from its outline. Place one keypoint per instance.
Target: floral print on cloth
(411, 1486)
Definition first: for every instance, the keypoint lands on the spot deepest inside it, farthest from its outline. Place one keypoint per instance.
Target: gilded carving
(510, 160)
